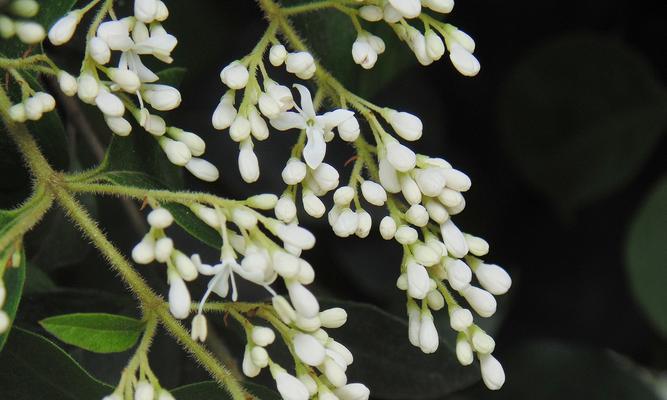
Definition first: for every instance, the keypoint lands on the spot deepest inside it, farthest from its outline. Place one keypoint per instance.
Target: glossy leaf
(32, 367)
(646, 253)
(99, 333)
(14, 279)
(389, 365)
(212, 390)
(566, 107)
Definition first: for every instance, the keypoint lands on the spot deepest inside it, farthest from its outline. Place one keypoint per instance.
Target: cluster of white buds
(14, 261)
(134, 36)
(427, 46)
(274, 103)
(28, 32)
(142, 390)
(33, 107)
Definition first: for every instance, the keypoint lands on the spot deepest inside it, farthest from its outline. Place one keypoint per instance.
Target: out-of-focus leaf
(555, 371)
(212, 390)
(172, 76)
(32, 367)
(646, 257)
(14, 278)
(580, 115)
(99, 333)
(389, 365)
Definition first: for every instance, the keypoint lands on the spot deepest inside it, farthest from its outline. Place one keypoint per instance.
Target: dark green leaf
(646, 252)
(99, 333)
(172, 76)
(555, 371)
(389, 365)
(14, 278)
(568, 105)
(32, 367)
(212, 390)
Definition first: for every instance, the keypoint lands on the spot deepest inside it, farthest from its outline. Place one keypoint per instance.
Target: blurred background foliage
(563, 134)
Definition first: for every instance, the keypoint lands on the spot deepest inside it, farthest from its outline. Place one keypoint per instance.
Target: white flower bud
(303, 300)
(265, 201)
(277, 55)
(453, 239)
(249, 368)
(109, 103)
(206, 214)
(224, 114)
(259, 356)
(258, 127)
(235, 75)
(281, 94)
(285, 209)
(410, 189)
(391, 15)
(118, 125)
(364, 225)
(436, 211)
(459, 274)
(306, 274)
(24, 8)
(477, 246)
(296, 236)
(283, 308)
(401, 158)
(349, 130)
(285, 264)
(143, 391)
(294, 171)
(300, 62)
(333, 317)
(387, 228)
(268, 106)
(431, 181)
(428, 334)
(63, 30)
(417, 215)
(326, 176)
(435, 300)
(482, 342)
(450, 198)
(419, 282)
(373, 193)
(308, 349)
(462, 38)
(161, 97)
(407, 8)
(402, 282)
(307, 324)
(334, 372)
(195, 143)
(463, 60)
(88, 88)
(408, 126)
(414, 323)
(179, 296)
(289, 387)
(248, 163)
(144, 251)
(33, 109)
(363, 53)
(417, 43)
(309, 382)
(346, 224)
(199, 329)
(388, 176)
(48, 102)
(460, 319)
(177, 152)
(185, 267)
(29, 32)
(493, 278)
(480, 300)
(424, 254)
(353, 391)
(203, 169)
(145, 10)
(457, 180)
(262, 336)
(439, 6)
(343, 196)
(163, 249)
(493, 374)
(435, 47)
(240, 129)
(371, 13)
(406, 235)
(464, 350)
(67, 83)
(312, 204)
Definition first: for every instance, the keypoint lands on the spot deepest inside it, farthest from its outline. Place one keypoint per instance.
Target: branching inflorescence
(262, 241)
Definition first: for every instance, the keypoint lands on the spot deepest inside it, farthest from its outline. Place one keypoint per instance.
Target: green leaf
(99, 333)
(548, 370)
(580, 115)
(212, 390)
(32, 367)
(389, 365)
(646, 252)
(14, 278)
(172, 76)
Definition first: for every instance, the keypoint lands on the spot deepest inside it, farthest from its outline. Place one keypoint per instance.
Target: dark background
(562, 133)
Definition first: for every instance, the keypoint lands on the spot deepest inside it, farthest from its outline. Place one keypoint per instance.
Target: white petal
(334, 118)
(288, 120)
(306, 101)
(315, 148)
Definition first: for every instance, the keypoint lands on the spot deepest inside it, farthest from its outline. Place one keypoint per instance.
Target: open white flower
(316, 126)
